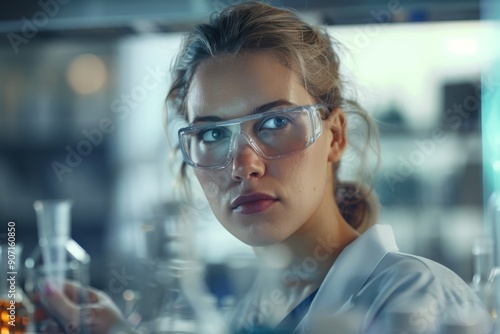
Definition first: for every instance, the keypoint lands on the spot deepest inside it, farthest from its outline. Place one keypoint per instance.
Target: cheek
(293, 176)
(308, 171)
(214, 184)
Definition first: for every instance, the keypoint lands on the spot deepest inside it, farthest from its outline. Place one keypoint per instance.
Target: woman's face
(278, 196)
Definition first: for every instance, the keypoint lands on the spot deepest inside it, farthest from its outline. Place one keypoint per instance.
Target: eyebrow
(257, 110)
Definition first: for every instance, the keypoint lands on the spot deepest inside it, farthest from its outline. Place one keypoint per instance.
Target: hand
(77, 305)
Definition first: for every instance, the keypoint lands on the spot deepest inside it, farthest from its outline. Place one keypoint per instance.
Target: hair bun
(357, 204)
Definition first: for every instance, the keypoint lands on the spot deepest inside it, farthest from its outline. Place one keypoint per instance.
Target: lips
(252, 203)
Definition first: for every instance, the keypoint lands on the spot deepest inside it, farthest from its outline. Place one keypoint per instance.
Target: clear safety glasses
(271, 134)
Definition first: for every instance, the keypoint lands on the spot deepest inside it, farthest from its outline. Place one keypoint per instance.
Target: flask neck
(53, 219)
(483, 264)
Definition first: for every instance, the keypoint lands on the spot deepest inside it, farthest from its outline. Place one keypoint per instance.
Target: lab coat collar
(351, 270)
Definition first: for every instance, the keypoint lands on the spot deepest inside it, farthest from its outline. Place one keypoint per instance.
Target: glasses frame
(314, 118)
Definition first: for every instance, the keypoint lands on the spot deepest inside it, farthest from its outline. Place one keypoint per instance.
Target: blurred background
(81, 116)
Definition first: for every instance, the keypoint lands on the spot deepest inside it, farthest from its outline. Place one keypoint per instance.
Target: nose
(247, 163)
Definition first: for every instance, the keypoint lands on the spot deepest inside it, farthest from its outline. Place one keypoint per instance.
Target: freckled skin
(231, 87)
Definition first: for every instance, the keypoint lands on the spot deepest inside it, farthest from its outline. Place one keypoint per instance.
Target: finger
(96, 296)
(74, 291)
(81, 294)
(100, 318)
(59, 304)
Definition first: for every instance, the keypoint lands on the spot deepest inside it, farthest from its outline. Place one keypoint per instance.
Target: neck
(305, 257)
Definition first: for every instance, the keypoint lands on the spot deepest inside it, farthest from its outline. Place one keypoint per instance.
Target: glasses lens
(207, 146)
(274, 133)
(283, 133)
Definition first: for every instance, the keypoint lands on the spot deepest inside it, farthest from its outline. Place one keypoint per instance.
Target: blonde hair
(306, 50)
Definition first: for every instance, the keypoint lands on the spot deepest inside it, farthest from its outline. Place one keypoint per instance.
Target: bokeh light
(87, 74)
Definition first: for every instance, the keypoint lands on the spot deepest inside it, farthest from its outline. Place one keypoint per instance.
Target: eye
(276, 122)
(213, 135)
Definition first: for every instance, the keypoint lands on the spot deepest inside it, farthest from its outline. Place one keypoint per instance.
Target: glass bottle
(493, 225)
(56, 259)
(184, 303)
(16, 310)
(482, 257)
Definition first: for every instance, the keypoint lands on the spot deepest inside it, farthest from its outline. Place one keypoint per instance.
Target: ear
(337, 125)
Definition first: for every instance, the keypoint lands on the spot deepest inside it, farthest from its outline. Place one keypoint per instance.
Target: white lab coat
(373, 288)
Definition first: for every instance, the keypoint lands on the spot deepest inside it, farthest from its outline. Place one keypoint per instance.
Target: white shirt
(373, 288)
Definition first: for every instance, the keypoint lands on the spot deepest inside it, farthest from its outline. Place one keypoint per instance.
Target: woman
(267, 129)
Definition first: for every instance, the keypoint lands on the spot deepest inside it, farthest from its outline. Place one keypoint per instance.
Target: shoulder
(400, 269)
(422, 294)
(386, 290)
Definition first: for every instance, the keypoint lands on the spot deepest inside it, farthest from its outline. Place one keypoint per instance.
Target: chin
(259, 242)
(258, 237)
(258, 230)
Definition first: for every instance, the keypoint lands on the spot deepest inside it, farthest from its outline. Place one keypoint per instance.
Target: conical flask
(184, 302)
(56, 259)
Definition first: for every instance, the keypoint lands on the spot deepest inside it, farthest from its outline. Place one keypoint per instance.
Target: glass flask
(56, 259)
(483, 264)
(183, 302)
(493, 225)
(16, 310)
